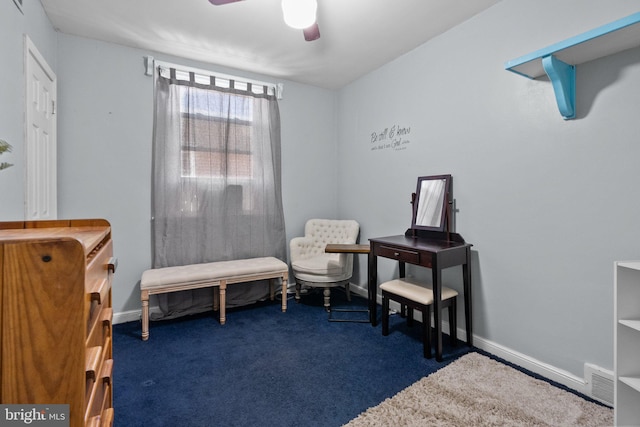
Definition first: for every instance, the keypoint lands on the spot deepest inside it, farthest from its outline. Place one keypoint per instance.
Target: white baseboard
(543, 369)
(127, 316)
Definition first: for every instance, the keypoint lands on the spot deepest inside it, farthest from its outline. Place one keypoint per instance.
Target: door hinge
(53, 107)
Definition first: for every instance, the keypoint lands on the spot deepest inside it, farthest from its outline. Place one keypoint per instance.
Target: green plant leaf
(4, 148)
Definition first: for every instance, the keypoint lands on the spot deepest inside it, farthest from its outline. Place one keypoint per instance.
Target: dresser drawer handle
(100, 291)
(106, 316)
(92, 361)
(112, 265)
(106, 419)
(107, 371)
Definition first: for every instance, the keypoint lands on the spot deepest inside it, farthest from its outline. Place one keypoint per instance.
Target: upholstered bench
(213, 274)
(419, 296)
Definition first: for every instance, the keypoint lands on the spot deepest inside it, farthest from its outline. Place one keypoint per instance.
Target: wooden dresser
(55, 316)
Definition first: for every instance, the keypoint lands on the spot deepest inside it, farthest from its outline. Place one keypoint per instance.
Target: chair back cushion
(325, 231)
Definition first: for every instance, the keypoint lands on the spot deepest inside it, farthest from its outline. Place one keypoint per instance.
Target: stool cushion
(415, 291)
(194, 273)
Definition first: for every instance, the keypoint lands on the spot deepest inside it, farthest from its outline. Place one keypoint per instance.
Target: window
(216, 169)
(216, 134)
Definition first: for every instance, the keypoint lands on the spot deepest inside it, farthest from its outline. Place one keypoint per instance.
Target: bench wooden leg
(223, 301)
(144, 297)
(284, 293)
(216, 299)
(272, 290)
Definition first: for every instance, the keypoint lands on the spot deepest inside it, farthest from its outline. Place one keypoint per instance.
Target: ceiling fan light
(299, 14)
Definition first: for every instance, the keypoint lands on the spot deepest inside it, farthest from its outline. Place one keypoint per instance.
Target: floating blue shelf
(559, 60)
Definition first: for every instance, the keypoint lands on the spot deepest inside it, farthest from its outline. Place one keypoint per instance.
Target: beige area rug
(478, 391)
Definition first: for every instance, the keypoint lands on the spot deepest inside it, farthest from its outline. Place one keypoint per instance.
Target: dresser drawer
(103, 420)
(99, 271)
(100, 328)
(98, 282)
(100, 398)
(98, 380)
(404, 255)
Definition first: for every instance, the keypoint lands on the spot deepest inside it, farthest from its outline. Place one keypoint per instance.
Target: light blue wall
(548, 204)
(13, 26)
(106, 119)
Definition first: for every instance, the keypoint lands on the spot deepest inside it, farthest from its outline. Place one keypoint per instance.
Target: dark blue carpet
(265, 367)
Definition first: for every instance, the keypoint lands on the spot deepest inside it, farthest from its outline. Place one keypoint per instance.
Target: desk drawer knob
(396, 254)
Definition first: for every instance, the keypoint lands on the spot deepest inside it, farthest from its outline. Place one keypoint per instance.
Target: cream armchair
(312, 266)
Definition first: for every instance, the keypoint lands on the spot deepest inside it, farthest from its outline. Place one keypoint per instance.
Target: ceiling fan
(297, 14)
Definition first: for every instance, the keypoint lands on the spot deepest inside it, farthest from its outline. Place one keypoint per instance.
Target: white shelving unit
(627, 343)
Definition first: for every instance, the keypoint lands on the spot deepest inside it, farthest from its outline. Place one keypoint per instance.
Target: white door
(40, 136)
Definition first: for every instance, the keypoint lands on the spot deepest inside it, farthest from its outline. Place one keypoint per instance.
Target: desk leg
(466, 277)
(372, 290)
(404, 310)
(437, 307)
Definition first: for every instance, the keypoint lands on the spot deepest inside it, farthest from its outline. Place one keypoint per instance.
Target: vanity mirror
(431, 202)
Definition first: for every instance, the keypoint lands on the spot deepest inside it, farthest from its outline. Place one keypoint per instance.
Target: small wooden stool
(420, 297)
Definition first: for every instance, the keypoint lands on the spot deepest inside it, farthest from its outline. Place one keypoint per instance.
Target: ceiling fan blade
(221, 2)
(312, 33)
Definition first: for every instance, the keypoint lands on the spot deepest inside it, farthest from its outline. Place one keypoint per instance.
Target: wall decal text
(391, 138)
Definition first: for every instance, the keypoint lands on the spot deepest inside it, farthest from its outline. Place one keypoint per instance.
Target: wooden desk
(433, 250)
(358, 249)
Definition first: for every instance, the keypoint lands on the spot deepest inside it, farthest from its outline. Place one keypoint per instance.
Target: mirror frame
(443, 225)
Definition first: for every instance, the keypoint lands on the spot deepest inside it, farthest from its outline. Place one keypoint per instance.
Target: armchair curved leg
(347, 291)
(327, 299)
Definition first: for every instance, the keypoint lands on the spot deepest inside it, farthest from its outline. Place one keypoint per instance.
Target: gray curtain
(217, 191)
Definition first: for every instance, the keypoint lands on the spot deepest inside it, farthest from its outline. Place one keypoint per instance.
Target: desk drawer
(404, 255)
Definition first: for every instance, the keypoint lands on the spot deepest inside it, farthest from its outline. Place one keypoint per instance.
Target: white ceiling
(357, 36)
